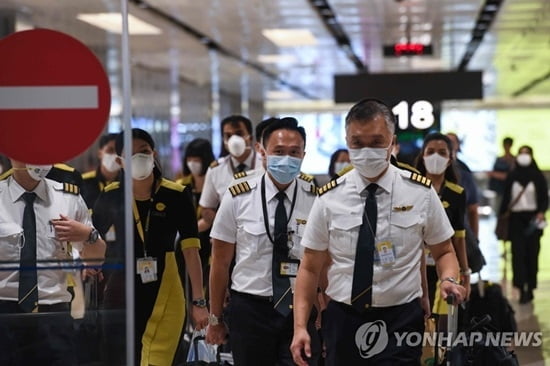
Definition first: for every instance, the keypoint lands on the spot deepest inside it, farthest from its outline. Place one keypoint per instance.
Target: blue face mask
(283, 168)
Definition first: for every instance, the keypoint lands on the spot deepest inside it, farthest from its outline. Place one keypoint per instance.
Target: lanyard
(264, 207)
(143, 231)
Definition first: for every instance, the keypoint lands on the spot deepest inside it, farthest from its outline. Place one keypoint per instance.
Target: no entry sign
(54, 97)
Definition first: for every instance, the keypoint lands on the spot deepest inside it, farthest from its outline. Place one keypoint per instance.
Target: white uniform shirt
(51, 201)
(218, 177)
(240, 220)
(409, 214)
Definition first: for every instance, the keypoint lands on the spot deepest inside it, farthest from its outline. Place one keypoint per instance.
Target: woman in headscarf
(526, 197)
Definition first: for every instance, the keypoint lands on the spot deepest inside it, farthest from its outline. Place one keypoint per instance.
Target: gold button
(367, 306)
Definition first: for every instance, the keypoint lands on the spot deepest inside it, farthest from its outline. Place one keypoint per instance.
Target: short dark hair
(508, 141)
(105, 139)
(234, 120)
(450, 173)
(286, 123)
(200, 148)
(260, 127)
(368, 109)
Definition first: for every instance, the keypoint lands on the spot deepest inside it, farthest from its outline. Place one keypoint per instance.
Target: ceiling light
(276, 59)
(112, 22)
(290, 37)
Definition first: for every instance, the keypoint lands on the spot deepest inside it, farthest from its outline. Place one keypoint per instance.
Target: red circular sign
(54, 97)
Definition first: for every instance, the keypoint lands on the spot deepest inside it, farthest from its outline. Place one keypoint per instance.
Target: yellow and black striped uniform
(159, 305)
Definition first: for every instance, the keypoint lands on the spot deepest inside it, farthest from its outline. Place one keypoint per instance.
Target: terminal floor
(529, 317)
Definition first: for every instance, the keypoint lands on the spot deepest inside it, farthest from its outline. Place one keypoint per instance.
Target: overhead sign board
(394, 87)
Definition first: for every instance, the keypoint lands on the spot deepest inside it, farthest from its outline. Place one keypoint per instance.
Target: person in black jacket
(526, 197)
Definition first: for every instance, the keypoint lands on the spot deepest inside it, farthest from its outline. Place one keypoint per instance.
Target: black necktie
(361, 293)
(28, 290)
(241, 168)
(282, 295)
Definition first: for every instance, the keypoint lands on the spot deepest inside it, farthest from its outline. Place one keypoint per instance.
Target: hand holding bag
(201, 353)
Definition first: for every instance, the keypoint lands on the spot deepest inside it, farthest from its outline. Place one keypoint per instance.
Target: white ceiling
(514, 52)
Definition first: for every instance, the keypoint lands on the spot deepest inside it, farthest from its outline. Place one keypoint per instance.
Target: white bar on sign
(48, 97)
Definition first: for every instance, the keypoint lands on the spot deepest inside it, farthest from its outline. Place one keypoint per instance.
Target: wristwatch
(450, 279)
(94, 235)
(214, 320)
(200, 303)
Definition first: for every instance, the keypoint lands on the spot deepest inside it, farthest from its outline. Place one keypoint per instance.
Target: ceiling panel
(512, 54)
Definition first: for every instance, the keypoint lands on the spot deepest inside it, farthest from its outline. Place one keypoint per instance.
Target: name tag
(385, 253)
(147, 269)
(289, 268)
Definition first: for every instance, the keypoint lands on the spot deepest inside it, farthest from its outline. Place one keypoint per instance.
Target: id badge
(386, 253)
(289, 268)
(147, 269)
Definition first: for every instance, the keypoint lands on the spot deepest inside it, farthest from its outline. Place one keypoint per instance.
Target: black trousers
(525, 250)
(369, 338)
(45, 338)
(259, 335)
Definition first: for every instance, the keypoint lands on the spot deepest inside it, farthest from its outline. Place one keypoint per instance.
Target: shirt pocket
(405, 229)
(343, 234)
(11, 240)
(250, 239)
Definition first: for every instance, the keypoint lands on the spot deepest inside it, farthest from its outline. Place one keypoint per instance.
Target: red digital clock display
(407, 49)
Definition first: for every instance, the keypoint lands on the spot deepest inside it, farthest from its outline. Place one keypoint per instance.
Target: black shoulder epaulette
(171, 185)
(327, 187)
(111, 186)
(65, 167)
(313, 189)
(420, 179)
(307, 177)
(454, 187)
(89, 175)
(214, 164)
(408, 167)
(239, 188)
(240, 175)
(71, 188)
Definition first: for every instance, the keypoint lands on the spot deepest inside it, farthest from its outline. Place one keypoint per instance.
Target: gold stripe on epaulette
(239, 188)
(214, 164)
(70, 188)
(420, 179)
(239, 175)
(308, 178)
(313, 189)
(327, 187)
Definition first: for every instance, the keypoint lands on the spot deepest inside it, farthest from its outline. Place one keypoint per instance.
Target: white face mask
(236, 145)
(142, 166)
(109, 162)
(370, 162)
(340, 165)
(38, 172)
(195, 167)
(524, 159)
(435, 163)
